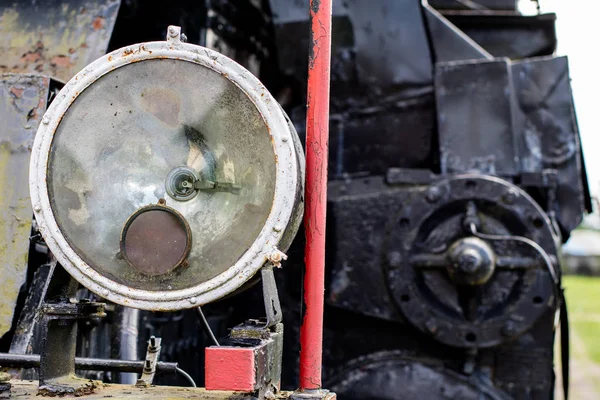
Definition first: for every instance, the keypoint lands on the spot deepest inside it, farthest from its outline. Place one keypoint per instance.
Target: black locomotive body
(455, 174)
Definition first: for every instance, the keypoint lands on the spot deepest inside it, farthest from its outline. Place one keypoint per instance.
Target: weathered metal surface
(476, 117)
(24, 340)
(515, 118)
(58, 345)
(249, 359)
(375, 88)
(548, 135)
(22, 103)
(448, 42)
(54, 37)
(101, 391)
(150, 362)
(406, 250)
(317, 157)
(271, 296)
(515, 296)
(514, 36)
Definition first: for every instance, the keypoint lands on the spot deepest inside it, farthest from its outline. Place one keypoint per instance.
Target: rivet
(277, 228)
(510, 197)
(433, 194)
(37, 208)
(192, 300)
(284, 139)
(105, 292)
(45, 120)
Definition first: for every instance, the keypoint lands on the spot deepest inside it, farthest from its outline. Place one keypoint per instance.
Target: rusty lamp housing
(164, 176)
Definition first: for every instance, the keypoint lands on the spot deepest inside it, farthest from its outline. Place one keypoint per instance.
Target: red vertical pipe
(317, 143)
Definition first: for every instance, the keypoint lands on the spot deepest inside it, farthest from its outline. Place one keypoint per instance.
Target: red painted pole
(317, 142)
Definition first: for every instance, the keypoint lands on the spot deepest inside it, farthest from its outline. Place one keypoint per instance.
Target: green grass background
(583, 301)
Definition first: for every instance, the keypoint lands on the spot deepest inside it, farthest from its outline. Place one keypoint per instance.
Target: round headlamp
(164, 175)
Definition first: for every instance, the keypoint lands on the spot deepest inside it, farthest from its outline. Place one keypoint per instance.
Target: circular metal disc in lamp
(164, 175)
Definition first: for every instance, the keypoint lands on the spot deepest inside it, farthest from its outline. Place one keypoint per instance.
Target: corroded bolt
(433, 194)
(275, 257)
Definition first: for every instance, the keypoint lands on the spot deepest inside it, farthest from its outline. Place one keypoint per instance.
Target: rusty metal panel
(22, 103)
(54, 37)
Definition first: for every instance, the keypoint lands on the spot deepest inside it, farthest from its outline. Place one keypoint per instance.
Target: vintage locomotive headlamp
(164, 176)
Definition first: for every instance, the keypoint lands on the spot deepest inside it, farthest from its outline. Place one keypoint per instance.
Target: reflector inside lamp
(122, 137)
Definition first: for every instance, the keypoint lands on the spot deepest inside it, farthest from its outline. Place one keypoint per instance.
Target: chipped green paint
(22, 104)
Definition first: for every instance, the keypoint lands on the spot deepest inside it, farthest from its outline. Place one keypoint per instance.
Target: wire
(541, 251)
(524, 240)
(186, 376)
(206, 327)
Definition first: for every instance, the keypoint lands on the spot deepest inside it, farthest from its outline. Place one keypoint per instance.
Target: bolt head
(509, 329)
(395, 259)
(172, 31)
(275, 257)
(431, 326)
(433, 194)
(469, 261)
(510, 197)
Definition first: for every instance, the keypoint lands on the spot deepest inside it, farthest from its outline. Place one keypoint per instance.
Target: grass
(583, 300)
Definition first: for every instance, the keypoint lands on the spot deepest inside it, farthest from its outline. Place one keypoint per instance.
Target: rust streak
(98, 23)
(17, 93)
(60, 61)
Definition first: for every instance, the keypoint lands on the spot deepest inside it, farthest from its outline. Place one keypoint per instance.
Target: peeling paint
(22, 102)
